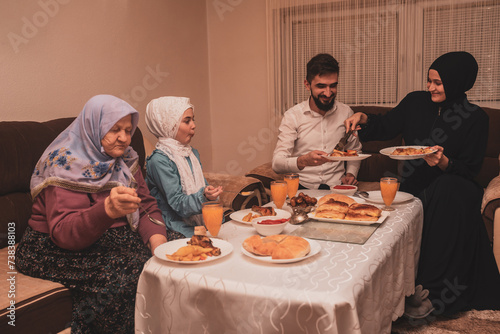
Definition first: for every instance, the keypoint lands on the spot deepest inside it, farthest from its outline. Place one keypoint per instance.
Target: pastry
(365, 209)
(256, 245)
(333, 205)
(363, 212)
(330, 215)
(279, 246)
(336, 197)
(292, 247)
(337, 206)
(360, 217)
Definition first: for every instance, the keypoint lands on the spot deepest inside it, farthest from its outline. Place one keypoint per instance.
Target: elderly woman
(456, 269)
(174, 174)
(86, 231)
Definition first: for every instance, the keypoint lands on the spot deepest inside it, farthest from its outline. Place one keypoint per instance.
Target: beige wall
(54, 57)
(242, 137)
(56, 54)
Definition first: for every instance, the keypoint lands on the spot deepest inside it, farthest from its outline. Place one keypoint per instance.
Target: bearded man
(310, 130)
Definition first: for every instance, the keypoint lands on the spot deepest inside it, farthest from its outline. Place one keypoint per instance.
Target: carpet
(463, 323)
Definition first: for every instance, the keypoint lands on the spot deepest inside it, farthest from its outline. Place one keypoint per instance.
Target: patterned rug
(467, 322)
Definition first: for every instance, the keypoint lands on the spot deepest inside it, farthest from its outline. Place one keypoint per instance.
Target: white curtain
(384, 47)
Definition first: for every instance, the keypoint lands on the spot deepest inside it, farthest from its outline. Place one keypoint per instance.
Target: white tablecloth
(346, 288)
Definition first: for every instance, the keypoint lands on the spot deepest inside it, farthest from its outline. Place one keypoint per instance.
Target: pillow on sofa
(233, 185)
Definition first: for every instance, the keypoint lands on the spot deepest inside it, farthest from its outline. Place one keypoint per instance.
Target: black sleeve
(388, 126)
(468, 161)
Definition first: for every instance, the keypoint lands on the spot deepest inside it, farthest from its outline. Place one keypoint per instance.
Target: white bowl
(344, 189)
(269, 229)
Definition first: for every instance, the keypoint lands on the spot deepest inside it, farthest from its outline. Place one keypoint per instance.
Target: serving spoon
(299, 215)
(362, 194)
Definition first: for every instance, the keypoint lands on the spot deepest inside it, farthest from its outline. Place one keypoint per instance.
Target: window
(384, 47)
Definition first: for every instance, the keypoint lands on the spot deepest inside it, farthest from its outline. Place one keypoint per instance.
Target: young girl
(174, 174)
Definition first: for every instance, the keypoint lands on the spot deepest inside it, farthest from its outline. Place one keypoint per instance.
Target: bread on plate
(280, 246)
(337, 206)
(363, 212)
(336, 197)
(333, 205)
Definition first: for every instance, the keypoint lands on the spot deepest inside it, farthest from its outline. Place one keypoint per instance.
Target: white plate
(172, 246)
(238, 215)
(376, 197)
(387, 151)
(358, 157)
(382, 217)
(315, 248)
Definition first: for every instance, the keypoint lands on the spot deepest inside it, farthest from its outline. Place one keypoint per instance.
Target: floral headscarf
(76, 160)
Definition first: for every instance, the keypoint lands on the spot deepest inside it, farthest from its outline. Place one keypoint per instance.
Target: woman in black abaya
(456, 264)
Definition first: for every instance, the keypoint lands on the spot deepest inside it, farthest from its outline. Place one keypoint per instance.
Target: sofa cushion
(46, 304)
(233, 185)
(491, 202)
(265, 174)
(490, 167)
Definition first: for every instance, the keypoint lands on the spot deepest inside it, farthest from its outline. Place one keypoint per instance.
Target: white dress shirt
(302, 131)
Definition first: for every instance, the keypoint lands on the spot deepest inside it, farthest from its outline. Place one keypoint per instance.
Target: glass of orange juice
(212, 216)
(292, 183)
(388, 188)
(278, 192)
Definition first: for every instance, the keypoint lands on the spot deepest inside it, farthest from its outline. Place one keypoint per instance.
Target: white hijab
(163, 117)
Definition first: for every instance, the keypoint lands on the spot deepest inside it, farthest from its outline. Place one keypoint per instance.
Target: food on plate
(333, 205)
(256, 245)
(258, 211)
(347, 153)
(337, 206)
(363, 212)
(332, 209)
(279, 246)
(204, 242)
(249, 217)
(264, 210)
(336, 197)
(190, 253)
(303, 200)
(330, 214)
(411, 151)
(198, 249)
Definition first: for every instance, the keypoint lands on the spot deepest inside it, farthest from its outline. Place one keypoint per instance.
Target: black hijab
(458, 72)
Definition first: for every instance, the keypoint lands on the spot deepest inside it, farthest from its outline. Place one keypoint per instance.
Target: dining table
(343, 288)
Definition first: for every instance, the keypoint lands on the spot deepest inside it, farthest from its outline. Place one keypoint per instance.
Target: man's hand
(437, 158)
(352, 123)
(349, 179)
(212, 193)
(121, 201)
(314, 158)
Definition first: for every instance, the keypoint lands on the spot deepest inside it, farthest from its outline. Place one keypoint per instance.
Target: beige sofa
(491, 213)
